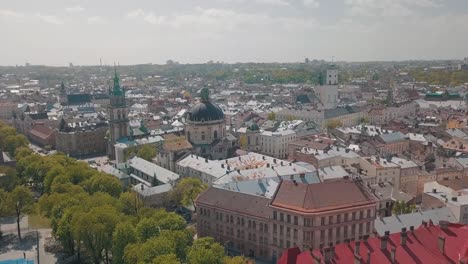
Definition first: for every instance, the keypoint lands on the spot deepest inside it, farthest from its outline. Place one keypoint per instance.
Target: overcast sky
(56, 32)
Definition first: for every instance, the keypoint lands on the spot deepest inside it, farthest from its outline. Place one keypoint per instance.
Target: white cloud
(50, 19)
(135, 13)
(96, 20)
(10, 14)
(149, 17)
(74, 9)
(218, 21)
(388, 7)
(273, 2)
(312, 3)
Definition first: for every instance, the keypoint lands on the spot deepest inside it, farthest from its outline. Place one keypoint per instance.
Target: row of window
(332, 219)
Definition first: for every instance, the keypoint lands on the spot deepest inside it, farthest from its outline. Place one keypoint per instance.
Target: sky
(57, 32)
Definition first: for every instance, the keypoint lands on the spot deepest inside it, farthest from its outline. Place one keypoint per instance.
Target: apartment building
(303, 215)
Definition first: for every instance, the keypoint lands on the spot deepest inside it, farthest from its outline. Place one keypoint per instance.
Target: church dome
(205, 111)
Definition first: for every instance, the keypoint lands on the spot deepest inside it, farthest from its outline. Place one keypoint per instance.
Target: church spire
(117, 89)
(62, 87)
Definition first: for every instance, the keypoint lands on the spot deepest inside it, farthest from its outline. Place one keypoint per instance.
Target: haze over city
(56, 32)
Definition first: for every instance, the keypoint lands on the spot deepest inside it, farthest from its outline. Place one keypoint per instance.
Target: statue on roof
(205, 95)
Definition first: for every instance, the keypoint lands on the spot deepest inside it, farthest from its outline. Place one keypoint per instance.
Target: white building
(438, 195)
(252, 166)
(275, 144)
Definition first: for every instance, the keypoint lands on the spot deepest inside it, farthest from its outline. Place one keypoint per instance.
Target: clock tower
(117, 115)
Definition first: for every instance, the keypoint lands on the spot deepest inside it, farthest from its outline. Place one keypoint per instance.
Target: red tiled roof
(241, 203)
(41, 131)
(323, 196)
(422, 246)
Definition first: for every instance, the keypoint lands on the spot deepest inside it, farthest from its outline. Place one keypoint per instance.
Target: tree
(101, 182)
(124, 234)
(187, 191)
(14, 142)
(94, 230)
(147, 152)
(243, 141)
(5, 209)
(131, 203)
(237, 260)
(166, 259)
(401, 207)
(333, 123)
(272, 116)
(147, 228)
(205, 250)
(9, 179)
(21, 200)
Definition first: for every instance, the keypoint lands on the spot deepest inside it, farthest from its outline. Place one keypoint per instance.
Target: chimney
(206, 160)
(357, 259)
(411, 228)
(357, 247)
(443, 224)
(295, 182)
(274, 161)
(281, 163)
(268, 165)
(383, 242)
(229, 167)
(424, 223)
(441, 244)
(317, 260)
(393, 254)
(142, 186)
(403, 236)
(290, 164)
(434, 190)
(238, 171)
(454, 199)
(263, 157)
(222, 165)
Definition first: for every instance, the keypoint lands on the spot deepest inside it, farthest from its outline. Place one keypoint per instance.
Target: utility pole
(37, 247)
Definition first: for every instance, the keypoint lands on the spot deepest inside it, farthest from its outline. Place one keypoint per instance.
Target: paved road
(12, 248)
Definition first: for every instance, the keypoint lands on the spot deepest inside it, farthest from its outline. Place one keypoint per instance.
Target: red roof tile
(422, 246)
(321, 196)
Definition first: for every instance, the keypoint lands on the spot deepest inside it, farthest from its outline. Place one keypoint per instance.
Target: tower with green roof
(117, 112)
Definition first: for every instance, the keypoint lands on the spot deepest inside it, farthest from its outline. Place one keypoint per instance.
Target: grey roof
(394, 224)
(455, 132)
(463, 162)
(340, 111)
(393, 137)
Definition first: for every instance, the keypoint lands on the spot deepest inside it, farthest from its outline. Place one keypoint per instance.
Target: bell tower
(117, 115)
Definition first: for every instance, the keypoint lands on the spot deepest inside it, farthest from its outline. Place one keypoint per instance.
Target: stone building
(81, 139)
(309, 216)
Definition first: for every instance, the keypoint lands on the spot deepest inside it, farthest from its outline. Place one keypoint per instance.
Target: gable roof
(323, 196)
(423, 245)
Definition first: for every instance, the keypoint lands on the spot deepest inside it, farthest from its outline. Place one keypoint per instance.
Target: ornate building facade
(205, 129)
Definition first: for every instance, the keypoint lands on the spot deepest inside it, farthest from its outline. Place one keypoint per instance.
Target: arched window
(215, 135)
(188, 135)
(118, 114)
